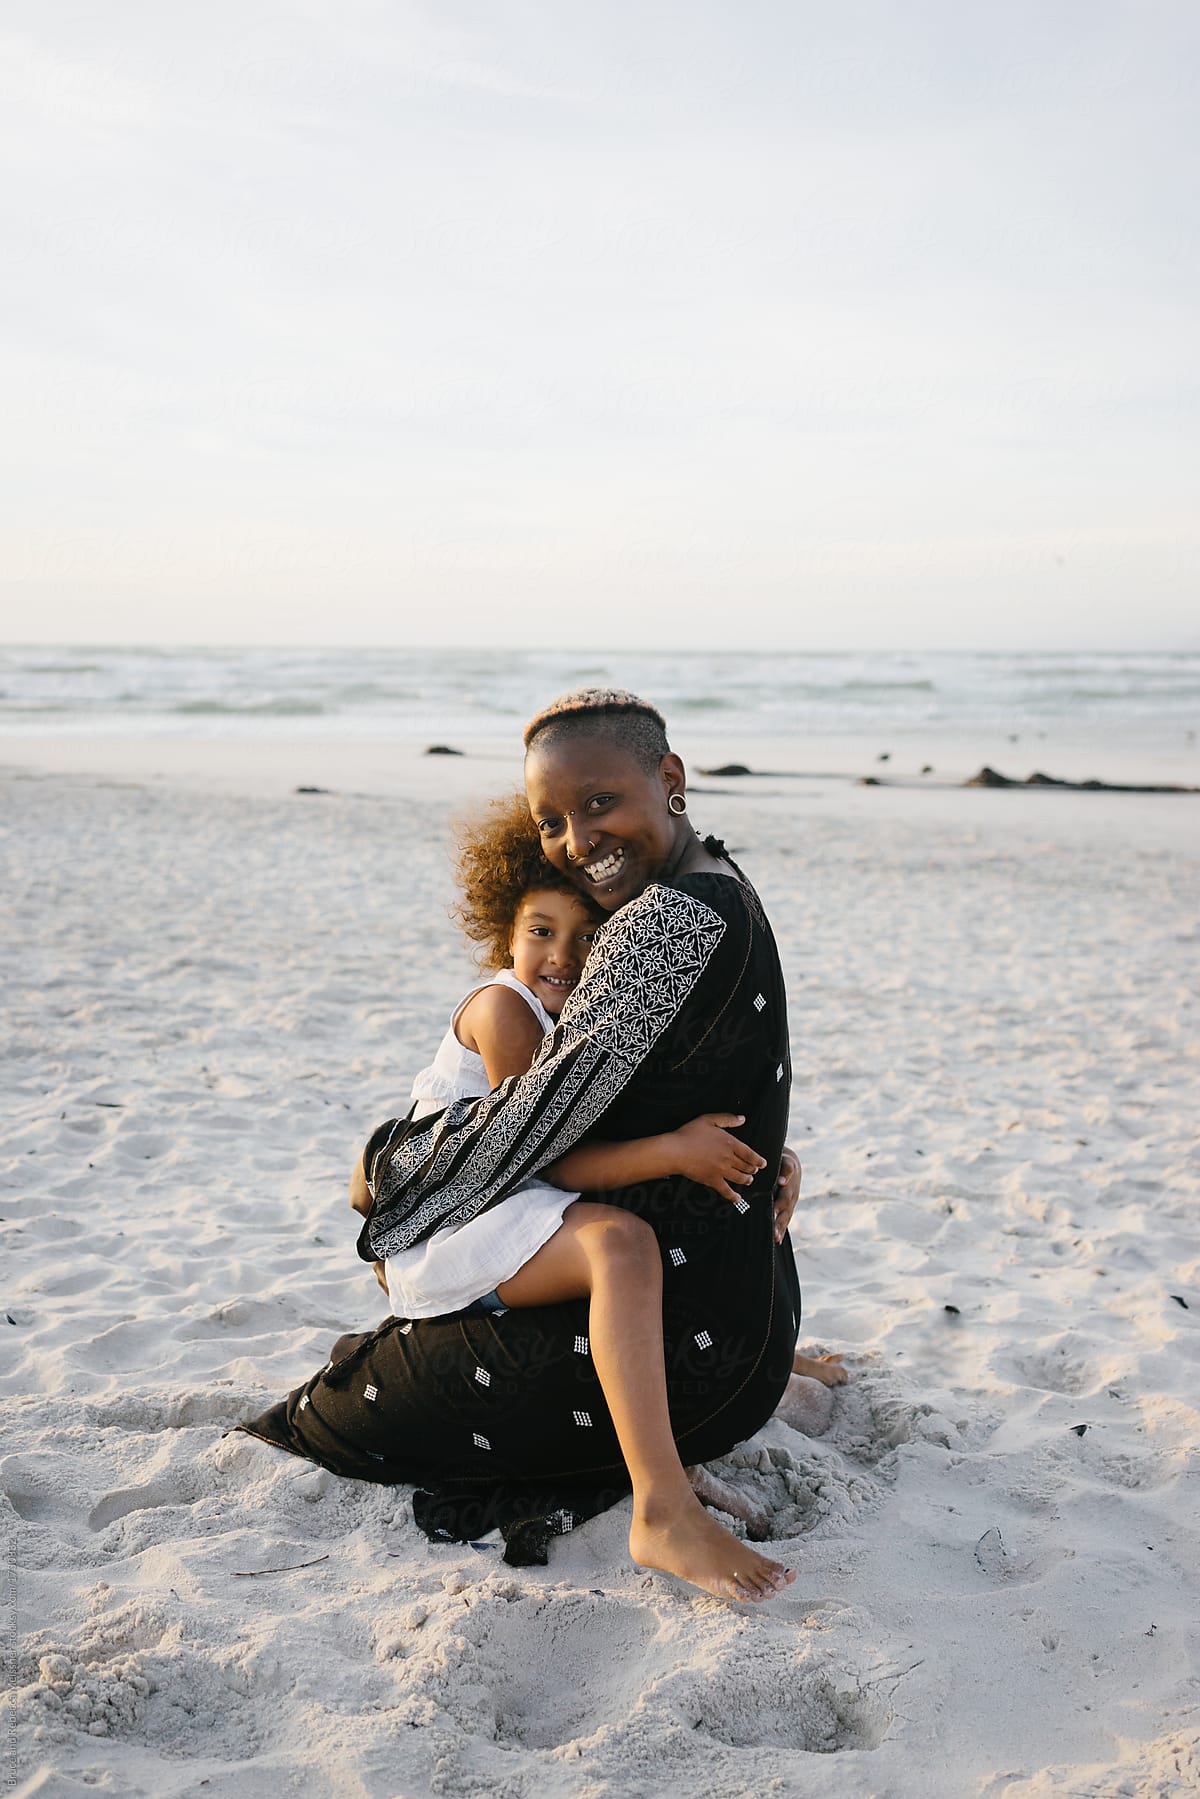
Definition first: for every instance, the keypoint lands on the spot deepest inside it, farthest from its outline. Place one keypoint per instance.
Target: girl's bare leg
(612, 1258)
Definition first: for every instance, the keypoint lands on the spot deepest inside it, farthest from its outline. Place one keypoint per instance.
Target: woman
(681, 1010)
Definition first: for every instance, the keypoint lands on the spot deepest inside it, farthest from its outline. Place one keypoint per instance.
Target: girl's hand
(787, 1190)
(707, 1154)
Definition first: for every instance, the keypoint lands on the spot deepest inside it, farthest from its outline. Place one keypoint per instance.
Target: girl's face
(551, 936)
(602, 818)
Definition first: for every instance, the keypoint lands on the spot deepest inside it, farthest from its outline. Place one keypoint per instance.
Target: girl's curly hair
(499, 861)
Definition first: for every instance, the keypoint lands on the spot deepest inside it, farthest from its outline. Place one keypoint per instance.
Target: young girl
(543, 1244)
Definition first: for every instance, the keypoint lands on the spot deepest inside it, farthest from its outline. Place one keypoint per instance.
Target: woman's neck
(690, 856)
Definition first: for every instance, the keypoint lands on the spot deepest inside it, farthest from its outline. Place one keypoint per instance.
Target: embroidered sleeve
(646, 963)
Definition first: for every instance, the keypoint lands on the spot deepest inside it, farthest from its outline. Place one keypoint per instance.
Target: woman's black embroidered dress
(681, 1010)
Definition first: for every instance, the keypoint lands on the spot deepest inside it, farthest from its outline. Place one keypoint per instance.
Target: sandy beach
(214, 987)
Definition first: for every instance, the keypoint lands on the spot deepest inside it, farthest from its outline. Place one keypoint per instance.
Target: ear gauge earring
(677, 804)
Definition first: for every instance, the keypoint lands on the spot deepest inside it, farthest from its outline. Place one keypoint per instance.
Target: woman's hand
(787, 1190)
(706, 1153)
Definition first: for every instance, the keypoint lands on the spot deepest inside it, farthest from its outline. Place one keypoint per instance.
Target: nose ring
(591, 846)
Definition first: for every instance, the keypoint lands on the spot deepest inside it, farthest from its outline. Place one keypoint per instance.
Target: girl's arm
(703, 1150)
(499, 1026)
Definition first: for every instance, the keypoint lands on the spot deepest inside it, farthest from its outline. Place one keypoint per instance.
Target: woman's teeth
(607, 870)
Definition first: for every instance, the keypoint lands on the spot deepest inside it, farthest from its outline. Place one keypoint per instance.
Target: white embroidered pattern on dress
(640, 973)
(592, 1082)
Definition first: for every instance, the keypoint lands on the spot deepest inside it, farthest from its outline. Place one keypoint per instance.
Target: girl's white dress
(464, 1262)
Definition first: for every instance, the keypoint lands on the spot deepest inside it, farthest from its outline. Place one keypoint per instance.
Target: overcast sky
(548, 323)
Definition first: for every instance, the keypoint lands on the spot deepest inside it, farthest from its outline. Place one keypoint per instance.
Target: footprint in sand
(143, 1147)
(128, 1346)
(511, 1637)
(1019, 1558)
(621, 1669)
(242, 1317)
(1061, 1366)
(766, 1701)
(53, 1227)
(86, 1277)
(38, 1489)
(150, 1496)
(1113, 1468)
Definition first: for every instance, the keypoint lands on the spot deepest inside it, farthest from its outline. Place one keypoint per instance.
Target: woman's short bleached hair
(618, 717)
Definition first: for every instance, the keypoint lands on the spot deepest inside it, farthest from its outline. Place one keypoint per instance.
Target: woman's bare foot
(827, 1368)
(807, 1405)
(681, 1538)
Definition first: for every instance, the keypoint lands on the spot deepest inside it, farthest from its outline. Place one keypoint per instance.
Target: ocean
(1145, 701)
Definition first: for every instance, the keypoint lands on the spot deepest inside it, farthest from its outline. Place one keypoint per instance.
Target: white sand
(213, 989)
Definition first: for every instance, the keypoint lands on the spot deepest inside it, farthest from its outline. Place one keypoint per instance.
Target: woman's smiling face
(603, 819)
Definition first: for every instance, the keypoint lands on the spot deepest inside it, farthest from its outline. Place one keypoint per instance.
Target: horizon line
(609, 650)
